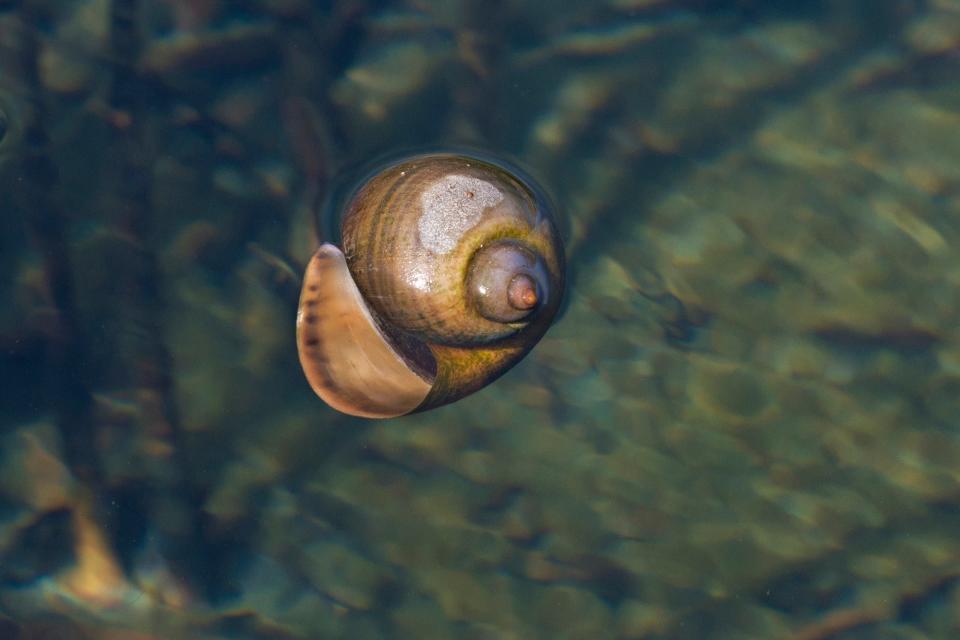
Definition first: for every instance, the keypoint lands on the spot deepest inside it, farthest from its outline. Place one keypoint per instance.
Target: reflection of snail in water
(451, 270)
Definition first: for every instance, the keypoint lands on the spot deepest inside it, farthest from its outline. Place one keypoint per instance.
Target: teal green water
(744, 424)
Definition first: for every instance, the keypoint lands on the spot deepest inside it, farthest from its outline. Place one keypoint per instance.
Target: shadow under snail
(451, 269)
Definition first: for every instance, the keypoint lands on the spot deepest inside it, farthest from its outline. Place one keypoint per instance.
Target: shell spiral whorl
(458, 264)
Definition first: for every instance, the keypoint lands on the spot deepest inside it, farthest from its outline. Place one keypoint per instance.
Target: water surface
(745, 423)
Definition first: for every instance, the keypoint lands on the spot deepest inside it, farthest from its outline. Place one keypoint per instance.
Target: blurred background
(745, 423)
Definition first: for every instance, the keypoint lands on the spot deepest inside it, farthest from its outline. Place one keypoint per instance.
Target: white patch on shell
(450, 207)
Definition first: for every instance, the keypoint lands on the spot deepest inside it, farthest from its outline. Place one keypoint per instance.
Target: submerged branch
(153, 364)
(46, 224)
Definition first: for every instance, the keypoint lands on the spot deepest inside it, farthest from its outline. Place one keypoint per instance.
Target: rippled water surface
(744, 424)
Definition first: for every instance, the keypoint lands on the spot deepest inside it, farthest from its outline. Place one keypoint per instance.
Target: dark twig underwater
(744, 421)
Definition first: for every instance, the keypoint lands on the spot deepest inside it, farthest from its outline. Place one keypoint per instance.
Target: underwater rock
(568, 612)
(344, 575)
(69, 62)
(38, 490)
(636, 620)
(276, 597)
(936, 33)
(183, 54)
(421, 617)
(193, 15)
(485, 597)
(724, 76)
(424, 446)
(96, 579)
(232, 497)
(32, 471)
(398, 82)
(730, 392)
(576, 105)
(377, 83)
(608, 40)
(238, 106)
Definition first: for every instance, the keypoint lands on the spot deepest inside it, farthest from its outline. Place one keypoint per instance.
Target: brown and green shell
(394, 305)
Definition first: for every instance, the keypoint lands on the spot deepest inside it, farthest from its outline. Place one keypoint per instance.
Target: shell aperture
(346, 358)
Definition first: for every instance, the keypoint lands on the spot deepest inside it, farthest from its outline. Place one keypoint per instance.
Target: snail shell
(451, 270)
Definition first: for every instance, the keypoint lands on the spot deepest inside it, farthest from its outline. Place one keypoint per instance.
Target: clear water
(744, 424)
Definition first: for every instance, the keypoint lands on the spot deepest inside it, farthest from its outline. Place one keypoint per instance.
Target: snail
(451, 269)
